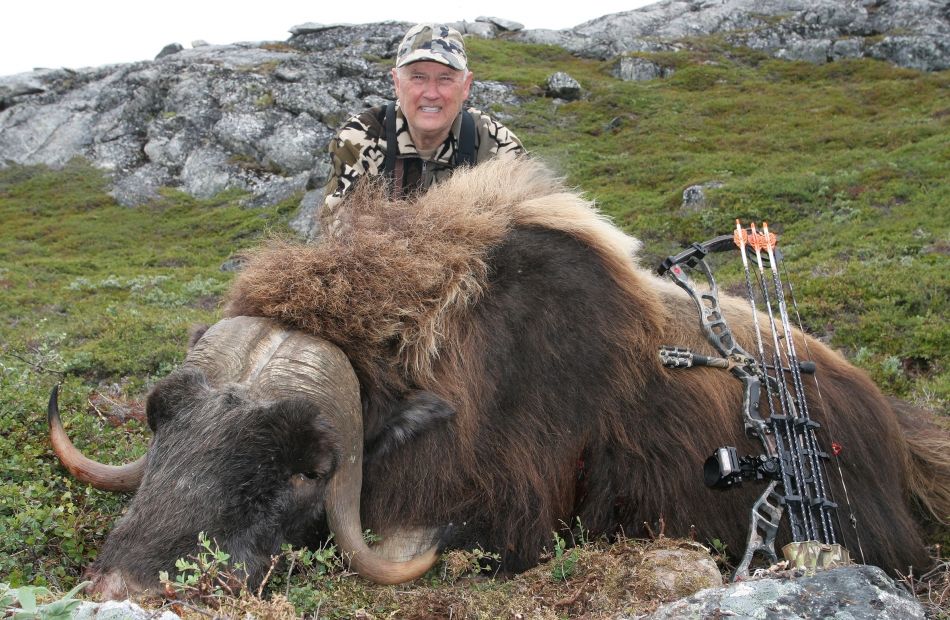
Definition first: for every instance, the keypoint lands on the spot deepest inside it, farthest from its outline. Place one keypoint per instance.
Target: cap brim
(449, 60)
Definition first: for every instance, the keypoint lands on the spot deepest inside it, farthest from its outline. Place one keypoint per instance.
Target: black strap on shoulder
(466, 152)
(392, 146)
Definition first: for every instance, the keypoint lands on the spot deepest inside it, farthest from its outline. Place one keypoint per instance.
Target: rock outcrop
(909, 33)
(257, 117)
(864, 592)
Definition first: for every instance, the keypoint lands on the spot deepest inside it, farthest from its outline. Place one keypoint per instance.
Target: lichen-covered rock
(670, 573)
(864, 592)
(502, 24)
(118, 610)
(910, 33)
(562, 86)
(694, 196)
(634, 69)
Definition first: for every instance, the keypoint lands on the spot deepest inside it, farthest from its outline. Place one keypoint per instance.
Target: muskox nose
(110, 585)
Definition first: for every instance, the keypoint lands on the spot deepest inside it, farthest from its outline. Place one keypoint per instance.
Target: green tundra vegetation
(849, 162)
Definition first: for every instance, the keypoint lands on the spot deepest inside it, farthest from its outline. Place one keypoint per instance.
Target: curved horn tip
(394, 573)
(105, 477)
(52, 410)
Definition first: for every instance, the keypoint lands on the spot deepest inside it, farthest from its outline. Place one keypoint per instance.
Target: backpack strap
(466, 152)
(392, 146)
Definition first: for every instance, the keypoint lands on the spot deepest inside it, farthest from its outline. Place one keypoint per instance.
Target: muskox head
(257, 441)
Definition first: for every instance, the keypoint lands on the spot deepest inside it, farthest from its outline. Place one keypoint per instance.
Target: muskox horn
(106, 477)
(289, 364)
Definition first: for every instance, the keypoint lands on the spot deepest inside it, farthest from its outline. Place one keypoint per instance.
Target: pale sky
(76, 33)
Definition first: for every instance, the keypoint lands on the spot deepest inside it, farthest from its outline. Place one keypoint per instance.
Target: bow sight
(725, 468)
(793, 462)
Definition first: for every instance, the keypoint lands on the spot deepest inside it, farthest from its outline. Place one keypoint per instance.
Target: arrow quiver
(792, 460)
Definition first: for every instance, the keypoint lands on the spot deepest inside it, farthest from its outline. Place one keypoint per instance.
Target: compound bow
(792, 461)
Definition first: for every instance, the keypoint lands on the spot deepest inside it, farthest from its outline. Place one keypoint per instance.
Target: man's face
(431, 96)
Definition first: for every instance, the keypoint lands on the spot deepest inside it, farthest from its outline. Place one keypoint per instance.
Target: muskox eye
(304, 477)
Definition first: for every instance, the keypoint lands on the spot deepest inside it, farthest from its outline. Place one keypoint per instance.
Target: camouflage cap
(435, 42)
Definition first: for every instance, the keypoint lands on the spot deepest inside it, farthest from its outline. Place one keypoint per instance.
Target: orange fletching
(769, 239)
(755, 239)
(739, 237)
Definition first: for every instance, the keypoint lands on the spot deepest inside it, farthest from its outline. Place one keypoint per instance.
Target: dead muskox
(506, 386)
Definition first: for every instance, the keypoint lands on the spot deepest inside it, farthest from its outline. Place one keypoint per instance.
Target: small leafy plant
(21, 603)
(465, 562)
(316, 563)
(309, 578)
(204, 576)
(563, 564)
(720, 553)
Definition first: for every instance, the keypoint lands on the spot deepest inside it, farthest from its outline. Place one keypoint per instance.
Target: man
(421, 138)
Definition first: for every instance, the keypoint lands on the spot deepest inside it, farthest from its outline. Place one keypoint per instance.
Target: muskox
(477, 366)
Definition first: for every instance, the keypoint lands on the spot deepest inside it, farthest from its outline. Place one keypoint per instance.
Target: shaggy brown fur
(410, 268)
(511, 298)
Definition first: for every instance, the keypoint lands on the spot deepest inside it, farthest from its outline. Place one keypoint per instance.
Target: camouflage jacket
(360, 148)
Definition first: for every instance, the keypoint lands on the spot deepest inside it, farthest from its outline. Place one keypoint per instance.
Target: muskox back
(512, 300)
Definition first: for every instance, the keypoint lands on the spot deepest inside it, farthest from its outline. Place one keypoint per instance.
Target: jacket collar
(444, 154)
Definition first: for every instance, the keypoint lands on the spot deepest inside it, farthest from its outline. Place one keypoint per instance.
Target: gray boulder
(485, 30)
(635, 69)
(306, 223)
(118, 610)
(19, 85)
(694, 196)
(168, 50)
(142, 185)
(546, 36)
(562, 86)
(502, 24)
(853, 592)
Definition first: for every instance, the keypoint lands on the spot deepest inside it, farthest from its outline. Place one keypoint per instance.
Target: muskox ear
(416, 413)
(178, 391)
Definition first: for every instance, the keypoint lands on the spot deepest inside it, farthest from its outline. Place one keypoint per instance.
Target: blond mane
(391, 284)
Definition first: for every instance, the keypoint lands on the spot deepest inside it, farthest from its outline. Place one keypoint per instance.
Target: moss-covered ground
(849, 162)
